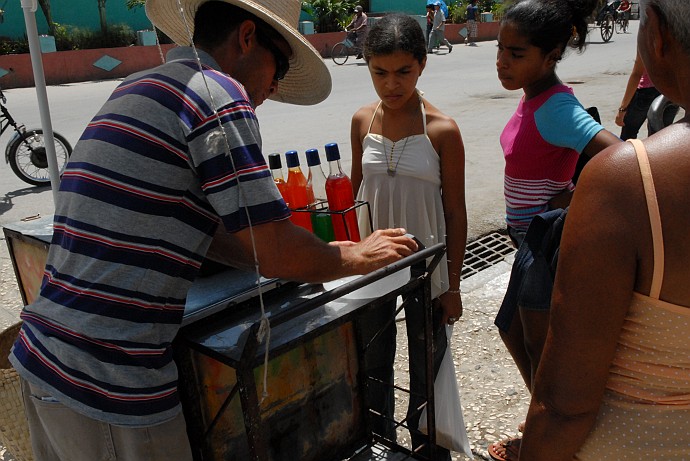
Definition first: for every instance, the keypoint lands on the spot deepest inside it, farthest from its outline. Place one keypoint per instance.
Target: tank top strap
(371, 123)
(421, 105)
(423, 109)
(654, 217)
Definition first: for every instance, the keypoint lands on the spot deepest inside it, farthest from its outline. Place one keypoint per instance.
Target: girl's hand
(451, 303)
(620, 115)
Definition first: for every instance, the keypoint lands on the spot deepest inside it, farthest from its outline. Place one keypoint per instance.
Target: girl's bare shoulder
(365, 112)
(438, 120)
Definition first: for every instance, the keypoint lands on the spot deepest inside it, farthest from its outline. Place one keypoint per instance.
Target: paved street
(462, 84)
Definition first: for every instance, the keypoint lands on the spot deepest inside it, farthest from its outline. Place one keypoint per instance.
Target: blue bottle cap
(313, 157)
(291, 158)
(332, 152)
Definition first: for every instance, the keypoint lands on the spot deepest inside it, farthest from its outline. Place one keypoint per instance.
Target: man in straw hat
(169, 172)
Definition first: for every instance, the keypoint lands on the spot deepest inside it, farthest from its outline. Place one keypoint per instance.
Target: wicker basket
(14, 429)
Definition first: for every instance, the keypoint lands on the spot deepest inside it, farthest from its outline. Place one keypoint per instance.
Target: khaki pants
(61, 434)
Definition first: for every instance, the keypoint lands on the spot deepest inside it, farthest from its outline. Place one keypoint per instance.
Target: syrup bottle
(340, 197)
(298, 194)
(316, 181)
(276, 166)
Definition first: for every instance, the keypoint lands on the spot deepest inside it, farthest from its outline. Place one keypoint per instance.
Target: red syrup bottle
(340, 197)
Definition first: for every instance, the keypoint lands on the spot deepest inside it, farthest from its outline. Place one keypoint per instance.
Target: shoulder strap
(374, 116)
(654, 217)
(423, 109)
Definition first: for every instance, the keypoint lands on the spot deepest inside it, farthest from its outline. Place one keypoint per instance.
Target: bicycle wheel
(607, 28)
(621, 25)
(28, 157)
(340, 53)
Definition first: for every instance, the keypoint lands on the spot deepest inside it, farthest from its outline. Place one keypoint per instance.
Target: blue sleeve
(563, 122)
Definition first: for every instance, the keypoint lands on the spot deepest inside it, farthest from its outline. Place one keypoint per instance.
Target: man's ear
(246, 34)
(659, 36)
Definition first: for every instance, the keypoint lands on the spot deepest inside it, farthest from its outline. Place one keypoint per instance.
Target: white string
(265, 327)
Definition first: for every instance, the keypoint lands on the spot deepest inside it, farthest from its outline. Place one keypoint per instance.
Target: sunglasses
(282, 62)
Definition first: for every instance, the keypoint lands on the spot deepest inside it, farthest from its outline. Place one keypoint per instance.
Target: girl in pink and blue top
(550, 128)
(541, 143)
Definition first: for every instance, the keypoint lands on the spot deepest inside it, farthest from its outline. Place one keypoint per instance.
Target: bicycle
(621, 22)
(26, 152)
(343, 50)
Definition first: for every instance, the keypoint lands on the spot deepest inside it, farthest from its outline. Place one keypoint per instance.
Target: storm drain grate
(485, 252)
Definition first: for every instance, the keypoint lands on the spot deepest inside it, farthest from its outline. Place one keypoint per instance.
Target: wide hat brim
(307, 82)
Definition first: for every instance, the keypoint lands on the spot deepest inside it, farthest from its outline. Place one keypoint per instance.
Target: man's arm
(284, 250)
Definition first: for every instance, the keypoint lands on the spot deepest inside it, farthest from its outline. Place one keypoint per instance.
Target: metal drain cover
(485, 252)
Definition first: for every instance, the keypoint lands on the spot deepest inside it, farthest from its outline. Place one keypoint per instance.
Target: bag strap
(654, 217)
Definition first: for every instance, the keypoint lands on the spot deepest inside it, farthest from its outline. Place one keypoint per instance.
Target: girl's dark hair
(550, 24)
(395, 32)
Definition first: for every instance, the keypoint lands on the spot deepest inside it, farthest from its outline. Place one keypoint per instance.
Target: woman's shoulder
(614, 169)
(366, 111)
(435, 116)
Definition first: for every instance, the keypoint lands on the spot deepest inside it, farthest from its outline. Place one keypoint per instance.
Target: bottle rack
(321, 207)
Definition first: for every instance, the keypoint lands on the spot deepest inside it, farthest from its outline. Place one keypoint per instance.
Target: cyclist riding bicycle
(359, 27)
(624, 9)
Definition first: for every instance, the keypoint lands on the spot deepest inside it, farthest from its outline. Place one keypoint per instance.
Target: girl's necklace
(392, 169)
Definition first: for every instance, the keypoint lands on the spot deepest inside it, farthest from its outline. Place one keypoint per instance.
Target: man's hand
(381, 248)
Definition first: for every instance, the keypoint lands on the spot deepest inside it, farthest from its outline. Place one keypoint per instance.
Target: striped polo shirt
(541, 144)
(145, 189)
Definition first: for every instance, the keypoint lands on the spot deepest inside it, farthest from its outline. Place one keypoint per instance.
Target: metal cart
(315, 408)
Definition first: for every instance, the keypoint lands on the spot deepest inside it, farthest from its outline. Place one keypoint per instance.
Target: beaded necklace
(392, 169)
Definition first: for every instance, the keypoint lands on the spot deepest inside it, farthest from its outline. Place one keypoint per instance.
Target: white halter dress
(409, 198)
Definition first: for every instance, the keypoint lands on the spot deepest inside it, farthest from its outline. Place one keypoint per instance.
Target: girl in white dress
(408, 162)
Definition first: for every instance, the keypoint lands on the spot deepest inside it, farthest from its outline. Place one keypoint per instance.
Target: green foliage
(330, 15)
(131, 4)
(12, 46)
(75, 38)
(457, 11)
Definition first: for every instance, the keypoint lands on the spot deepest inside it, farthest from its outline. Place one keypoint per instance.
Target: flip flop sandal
(505, 450)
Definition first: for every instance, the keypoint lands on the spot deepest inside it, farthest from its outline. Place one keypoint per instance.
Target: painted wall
(402, 6)
(79, 66)
(80, 13)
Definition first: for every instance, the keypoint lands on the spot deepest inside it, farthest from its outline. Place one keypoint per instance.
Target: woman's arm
(445, 135)
(599, 142)
(592, 293)
(356, 139)
(630, 88)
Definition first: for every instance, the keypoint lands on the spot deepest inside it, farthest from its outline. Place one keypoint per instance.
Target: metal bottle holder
(321, 207)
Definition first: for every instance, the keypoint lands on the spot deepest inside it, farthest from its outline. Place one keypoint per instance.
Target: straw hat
(308, 80)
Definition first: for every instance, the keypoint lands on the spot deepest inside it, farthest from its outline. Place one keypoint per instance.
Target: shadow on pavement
(6, 203)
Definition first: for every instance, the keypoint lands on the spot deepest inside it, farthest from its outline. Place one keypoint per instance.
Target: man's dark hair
(215, 20)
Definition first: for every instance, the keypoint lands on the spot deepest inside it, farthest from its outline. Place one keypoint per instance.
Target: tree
(45, 8)
(330, 15)
(101, 16)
